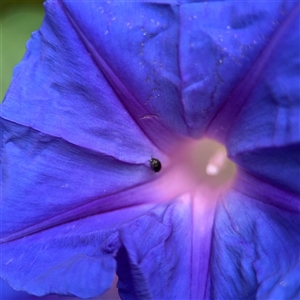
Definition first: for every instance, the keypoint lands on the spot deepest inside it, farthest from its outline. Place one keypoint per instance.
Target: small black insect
(155, 165)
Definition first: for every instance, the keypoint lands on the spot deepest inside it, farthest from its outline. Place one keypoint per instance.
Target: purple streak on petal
(47, 181)
(158, 261)
(61, 92)
(160, 136)
(166, 253)
(65, 260)
(265, 136)
(256, 188)
(255, 252)
(145, 77)
(202, 219)
(219, 126)
(266, 162)
(76, 258)
(219, 42)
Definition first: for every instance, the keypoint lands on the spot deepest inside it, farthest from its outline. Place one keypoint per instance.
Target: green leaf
(16, 25)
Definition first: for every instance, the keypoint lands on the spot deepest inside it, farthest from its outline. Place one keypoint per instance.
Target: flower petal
(185, 60)
(48, 181)
(220, 42)
(72, 153)
(270, 78)
(76, 258)
(142, 39)
(58, 85)
(165, 254)
(149, 242)
(255, 249)
(75, 156)
(264, 134)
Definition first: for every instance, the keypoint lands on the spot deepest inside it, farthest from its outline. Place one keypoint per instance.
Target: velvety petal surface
(256, 239)
(88, 86)
(248, 249)
(68, 139)
(219, 42)
(76, 258)
(178, 60)
(256, 244)
(103, 88)
(165, 253)
(50, 184)
(8, 293)
(48, 181)
(264, 134)
(54, 103)
(72, 149)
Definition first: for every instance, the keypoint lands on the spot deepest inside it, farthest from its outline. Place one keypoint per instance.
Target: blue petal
(75, 156)
(270, 77)
(58, 85)
(76, 258)
(50, 187)
(165, 254)
(256, 244)
(263, 135)
(185, 60)
(135, 46)
(219, 43)
(72, 153)
(150, 264)
(54, 181)
(72, 74)
(7, 293)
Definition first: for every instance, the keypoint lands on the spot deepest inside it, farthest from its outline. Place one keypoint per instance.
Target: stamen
(217, 162)
(204, 162)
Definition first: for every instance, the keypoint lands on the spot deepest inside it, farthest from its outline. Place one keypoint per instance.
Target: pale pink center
(197, 165)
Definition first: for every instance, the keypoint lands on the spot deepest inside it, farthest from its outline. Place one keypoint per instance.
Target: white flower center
(200, 166)
(206, 162)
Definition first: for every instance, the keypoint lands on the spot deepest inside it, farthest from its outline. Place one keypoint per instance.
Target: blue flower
(107, 86)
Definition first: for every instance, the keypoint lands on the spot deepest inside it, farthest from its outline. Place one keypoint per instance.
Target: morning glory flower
(105, 88)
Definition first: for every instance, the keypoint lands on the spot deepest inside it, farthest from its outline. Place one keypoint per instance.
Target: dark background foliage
(17, 20)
